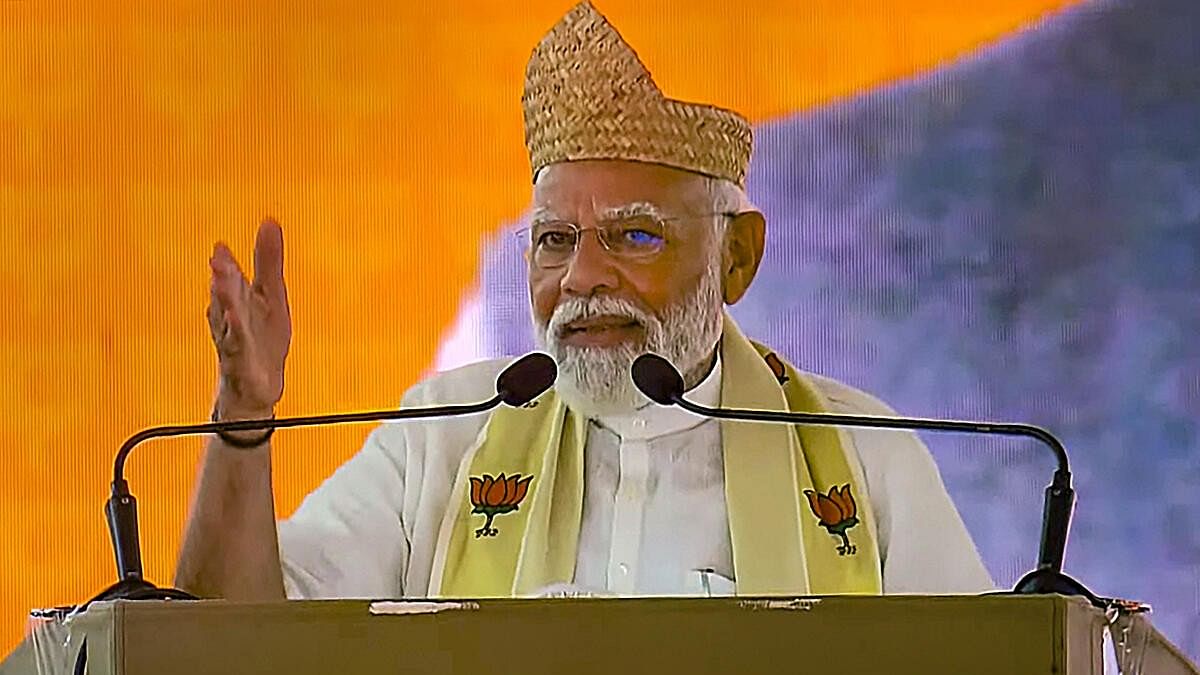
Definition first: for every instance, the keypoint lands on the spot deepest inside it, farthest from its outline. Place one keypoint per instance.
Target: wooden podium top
(1031, 635)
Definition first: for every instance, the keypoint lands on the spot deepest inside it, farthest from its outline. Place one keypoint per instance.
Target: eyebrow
(628, 210)
(542, 214)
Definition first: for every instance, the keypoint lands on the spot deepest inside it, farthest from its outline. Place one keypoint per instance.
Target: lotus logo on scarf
(837, 513)
(495, 496)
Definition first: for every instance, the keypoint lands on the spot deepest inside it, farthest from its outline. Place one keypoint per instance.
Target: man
(640, 233)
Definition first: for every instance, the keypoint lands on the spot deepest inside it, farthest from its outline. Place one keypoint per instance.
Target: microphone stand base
(139, 589)
(1045, 581)
(126, 589)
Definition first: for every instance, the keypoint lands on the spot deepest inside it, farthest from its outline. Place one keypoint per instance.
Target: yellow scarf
(800, 522)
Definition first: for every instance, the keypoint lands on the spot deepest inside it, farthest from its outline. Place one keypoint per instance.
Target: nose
(590, 270)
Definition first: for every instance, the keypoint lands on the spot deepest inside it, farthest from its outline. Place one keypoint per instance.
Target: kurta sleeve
(370, 530)
(924, 544)
(347, 539)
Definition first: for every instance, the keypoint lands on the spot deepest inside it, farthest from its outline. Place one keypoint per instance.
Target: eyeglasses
(635, 238)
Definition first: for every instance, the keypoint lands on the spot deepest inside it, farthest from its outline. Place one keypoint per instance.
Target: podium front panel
(893, 634)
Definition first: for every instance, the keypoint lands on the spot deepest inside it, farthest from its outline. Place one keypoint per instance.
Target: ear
(742, 252)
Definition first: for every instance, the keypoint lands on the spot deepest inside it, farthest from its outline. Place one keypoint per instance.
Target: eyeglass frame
(662, 221)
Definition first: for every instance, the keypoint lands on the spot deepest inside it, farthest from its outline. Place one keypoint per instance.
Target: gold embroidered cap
(588, 96)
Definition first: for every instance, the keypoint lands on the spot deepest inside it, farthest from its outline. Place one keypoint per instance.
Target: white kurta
(654, 516)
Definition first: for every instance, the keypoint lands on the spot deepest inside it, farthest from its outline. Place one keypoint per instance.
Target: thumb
(268, 256)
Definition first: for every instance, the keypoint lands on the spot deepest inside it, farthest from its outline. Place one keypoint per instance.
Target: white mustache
(576, 309)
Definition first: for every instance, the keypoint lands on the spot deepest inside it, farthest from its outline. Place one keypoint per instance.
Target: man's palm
(251, 326)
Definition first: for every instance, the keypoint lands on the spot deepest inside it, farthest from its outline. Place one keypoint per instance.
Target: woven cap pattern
(588, 96)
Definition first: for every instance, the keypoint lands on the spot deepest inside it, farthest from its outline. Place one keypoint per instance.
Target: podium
(1031, 635)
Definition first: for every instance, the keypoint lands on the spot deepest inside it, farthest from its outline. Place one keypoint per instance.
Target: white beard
(595, 381)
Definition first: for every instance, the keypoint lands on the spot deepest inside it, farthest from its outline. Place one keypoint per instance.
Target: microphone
(659, 381)
(526, 379)
(521, 382)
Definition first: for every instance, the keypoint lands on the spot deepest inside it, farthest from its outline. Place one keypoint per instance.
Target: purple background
(1015, 237)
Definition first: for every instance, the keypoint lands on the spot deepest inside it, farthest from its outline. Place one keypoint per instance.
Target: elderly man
(640, 234)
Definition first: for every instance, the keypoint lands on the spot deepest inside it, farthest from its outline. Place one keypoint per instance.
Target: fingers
(268, 257)
(216, 308)
(223, 262)
(228, 282)
(227, 298)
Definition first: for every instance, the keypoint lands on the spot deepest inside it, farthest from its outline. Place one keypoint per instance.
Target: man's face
(599, 310)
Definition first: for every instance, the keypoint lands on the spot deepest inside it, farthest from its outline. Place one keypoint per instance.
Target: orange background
(388, 142)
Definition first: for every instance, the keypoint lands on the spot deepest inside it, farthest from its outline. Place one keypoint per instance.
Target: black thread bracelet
(241, 443)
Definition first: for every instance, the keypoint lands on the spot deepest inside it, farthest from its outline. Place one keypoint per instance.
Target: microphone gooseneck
(521, 382)
(290, 422)
(661, 382)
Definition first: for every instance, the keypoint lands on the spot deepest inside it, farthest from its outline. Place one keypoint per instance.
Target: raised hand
(251, 327)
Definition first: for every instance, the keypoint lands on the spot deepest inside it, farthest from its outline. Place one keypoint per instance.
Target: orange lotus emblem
(837, 513)
(494, 496)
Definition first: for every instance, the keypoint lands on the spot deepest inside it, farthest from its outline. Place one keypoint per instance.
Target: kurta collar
(653, 420)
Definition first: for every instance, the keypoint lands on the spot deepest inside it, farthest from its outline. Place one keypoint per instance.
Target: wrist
(235, 400)
(223, 412)
(247, 438)
(229, 407)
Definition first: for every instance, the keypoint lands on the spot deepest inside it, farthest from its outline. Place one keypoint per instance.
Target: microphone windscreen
(655, 377)
(526, 378)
